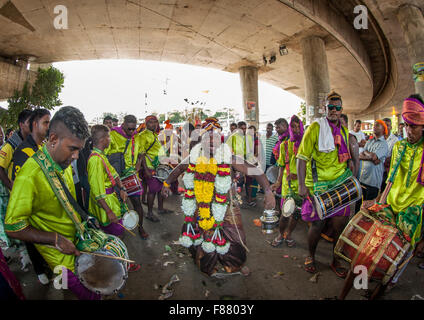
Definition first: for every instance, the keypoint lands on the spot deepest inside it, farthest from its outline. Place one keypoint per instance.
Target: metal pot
(269, 221)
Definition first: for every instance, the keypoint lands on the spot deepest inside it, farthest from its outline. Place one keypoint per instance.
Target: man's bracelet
(166, 185)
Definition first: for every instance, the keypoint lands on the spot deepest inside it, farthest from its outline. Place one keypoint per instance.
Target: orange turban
(386, 130)
(168, 125)
(211, 123)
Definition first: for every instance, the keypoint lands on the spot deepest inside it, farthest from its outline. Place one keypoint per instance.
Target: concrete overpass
(371, 68)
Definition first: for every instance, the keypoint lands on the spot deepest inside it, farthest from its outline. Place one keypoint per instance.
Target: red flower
(223, 165)
(196, 236)
(221, 242)
(186, 234)
(189, 219)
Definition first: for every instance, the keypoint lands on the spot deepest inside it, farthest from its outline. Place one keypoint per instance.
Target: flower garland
(207, 183)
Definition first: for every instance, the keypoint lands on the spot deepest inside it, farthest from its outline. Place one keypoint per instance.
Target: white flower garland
(188, 180)
(189, 206)
(223, 155)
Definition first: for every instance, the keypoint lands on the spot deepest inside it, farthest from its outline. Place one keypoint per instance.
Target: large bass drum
(368, 242)
(102, 275)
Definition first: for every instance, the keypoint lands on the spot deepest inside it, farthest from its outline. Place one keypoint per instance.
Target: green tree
(46, 89)
(302, 112)
(44, 93)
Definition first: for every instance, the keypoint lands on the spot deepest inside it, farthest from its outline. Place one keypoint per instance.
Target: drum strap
(314, 170)
(112, 180)
(287, 162)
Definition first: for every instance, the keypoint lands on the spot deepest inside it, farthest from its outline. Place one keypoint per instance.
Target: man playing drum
(287, 180)
(405, 188)
(123, 141)
(103, 178)
(213, 229)
(104, 182)
(36, 211)
(326, 143)
(151, 149)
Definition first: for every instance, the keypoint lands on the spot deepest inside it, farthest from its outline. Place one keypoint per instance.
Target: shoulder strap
(73, 202)
(314, 170)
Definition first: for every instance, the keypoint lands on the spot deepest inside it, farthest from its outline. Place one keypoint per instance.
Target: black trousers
(37, 259)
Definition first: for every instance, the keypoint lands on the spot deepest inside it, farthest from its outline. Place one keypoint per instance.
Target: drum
(290, 207)
(269, 221)
(132, 184)
(272, 174)
(130, 220)
(102, 275)
(162, 172)
(380, 248)
(337, 198)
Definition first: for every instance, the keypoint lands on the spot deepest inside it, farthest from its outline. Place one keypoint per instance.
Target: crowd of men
(54, 170)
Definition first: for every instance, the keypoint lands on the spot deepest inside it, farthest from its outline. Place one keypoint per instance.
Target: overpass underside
(328, 47)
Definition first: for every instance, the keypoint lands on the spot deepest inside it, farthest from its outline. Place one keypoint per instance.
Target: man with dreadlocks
(37, 212)
(213, 229)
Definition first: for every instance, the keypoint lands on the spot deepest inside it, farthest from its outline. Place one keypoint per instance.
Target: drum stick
(127, 229)
(106, 256)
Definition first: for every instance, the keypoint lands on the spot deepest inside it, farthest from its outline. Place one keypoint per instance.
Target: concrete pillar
(13, 77)
(412, 22)
(317, 78)
(249, 87)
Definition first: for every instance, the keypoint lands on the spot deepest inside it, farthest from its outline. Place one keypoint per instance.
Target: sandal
(152, 218)
(290, 243)
(339, 271)
(421, 265)
(276, 243)
(133, 267)
(310, 265)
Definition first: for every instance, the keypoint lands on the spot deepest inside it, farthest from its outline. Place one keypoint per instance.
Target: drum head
(289, 206)
(130, 220)
(163, 172)
(101, 275)
(317, 208)
(272, 174)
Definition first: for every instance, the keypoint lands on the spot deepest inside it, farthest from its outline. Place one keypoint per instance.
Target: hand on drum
(269, 200)
(65, 246)
(112, 216)
(124, 195)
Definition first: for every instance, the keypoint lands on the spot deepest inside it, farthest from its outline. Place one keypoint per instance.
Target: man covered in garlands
(213, 229)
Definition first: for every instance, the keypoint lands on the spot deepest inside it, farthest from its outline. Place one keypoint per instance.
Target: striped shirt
(270, 144)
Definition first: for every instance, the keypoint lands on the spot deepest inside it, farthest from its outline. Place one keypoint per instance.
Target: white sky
(116, 86)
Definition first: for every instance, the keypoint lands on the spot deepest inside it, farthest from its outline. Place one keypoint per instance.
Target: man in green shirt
(151, 149)
(326, 142)
(36, 211)
(123, 140)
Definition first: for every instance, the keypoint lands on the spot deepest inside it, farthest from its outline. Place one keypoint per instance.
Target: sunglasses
(331, 107)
